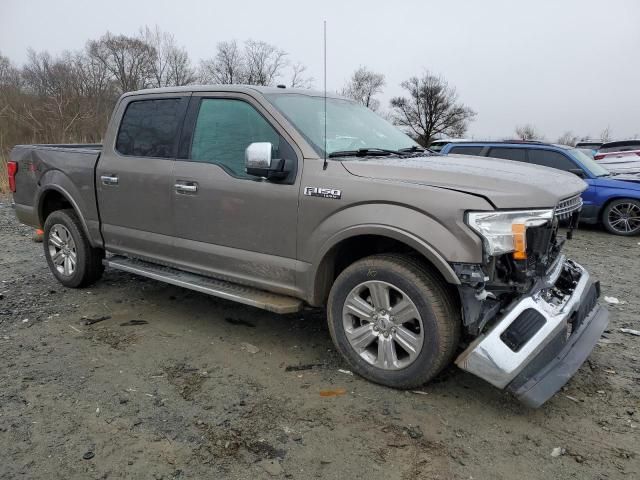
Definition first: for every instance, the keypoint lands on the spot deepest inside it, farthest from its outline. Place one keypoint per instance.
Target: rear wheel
(71, 258)
(395, 322)
(622, 217)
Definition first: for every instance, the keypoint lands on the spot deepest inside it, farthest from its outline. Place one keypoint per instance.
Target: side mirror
(258, 161)
(577, 171)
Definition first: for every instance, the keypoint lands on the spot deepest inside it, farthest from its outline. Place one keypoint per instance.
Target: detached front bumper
(542, 339)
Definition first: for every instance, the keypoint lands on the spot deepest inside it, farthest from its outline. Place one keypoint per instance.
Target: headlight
(505, 232)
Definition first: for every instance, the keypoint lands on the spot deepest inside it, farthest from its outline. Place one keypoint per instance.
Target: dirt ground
(173, 384)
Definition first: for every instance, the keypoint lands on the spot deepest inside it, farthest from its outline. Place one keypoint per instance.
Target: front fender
(438, 242)
(427, 250)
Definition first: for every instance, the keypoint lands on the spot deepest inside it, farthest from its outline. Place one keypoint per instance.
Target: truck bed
(70, 167)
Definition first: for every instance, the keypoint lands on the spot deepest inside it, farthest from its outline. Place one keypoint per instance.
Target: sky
(560, 65)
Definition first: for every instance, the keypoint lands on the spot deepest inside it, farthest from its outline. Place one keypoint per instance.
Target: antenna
(324, 165)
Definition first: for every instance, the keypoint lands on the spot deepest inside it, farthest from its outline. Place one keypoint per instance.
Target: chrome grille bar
(566, 207)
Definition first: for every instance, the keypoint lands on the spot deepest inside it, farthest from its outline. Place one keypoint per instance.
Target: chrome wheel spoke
(55, 240)
(359, 307)
(58, 258)
(361, 337)
(387, 356)
(379, 295)
(67, 266)
(403, 311)
(408, 341)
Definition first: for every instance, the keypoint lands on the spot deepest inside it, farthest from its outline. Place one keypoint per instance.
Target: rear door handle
(109, 179)
(186, 187)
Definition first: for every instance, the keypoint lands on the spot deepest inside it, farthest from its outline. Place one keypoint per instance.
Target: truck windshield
(350, 126)
(589, 163)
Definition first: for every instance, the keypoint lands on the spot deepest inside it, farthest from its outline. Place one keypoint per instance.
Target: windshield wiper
(413, 148)
(363, 152)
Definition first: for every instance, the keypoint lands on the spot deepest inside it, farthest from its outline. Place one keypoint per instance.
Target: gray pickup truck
(269, 197)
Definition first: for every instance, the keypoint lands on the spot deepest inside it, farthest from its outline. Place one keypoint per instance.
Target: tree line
(69, 97)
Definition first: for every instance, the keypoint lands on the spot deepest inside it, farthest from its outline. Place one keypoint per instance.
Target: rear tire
(622, 217)
(401, 338)
(71, 258)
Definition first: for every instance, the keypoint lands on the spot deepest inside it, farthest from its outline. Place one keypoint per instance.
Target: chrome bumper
(491, 359)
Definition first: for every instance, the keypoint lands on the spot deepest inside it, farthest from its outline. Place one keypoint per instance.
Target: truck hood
(505, 183)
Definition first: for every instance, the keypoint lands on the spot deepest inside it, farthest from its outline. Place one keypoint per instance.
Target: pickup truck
(283, 199)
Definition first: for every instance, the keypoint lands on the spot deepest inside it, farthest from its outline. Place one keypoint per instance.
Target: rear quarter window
(464, 150)
(149, 128)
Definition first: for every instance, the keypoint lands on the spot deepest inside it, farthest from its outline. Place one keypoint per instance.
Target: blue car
(612, 199)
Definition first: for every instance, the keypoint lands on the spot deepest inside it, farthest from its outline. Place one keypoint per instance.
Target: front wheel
(71, 258)
(622, 217)
(394, 321)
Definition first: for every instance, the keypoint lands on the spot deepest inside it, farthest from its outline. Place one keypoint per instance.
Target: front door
(227, 223)
(134, 177)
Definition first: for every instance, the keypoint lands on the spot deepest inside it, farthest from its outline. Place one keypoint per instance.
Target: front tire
(395, 321)
(71, 258)
(622, 217)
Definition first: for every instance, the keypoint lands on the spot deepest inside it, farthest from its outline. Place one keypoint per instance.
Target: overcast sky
(560, 65)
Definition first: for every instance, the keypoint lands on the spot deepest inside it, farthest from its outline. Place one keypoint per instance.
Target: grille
(568, 206)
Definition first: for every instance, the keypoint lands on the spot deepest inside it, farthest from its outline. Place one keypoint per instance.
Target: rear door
(134, 176)
(227, 223)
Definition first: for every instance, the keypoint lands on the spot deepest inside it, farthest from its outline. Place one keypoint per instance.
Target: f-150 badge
(323, 192)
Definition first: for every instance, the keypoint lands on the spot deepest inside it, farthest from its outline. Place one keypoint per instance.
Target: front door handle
(109, 179)
(186, 187)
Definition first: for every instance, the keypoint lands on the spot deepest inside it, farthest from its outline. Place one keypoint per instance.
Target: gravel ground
(173, 384)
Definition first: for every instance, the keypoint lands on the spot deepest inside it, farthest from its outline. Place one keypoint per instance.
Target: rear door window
(547, 158)
(149, 128)
(225, 128)
(517, 154)
(467, 150)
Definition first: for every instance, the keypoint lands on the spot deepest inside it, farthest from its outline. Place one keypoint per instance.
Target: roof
(514, 143)
(233, 88)
(621, 143)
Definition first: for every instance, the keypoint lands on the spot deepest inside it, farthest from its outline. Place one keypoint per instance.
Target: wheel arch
(612, 199)
(55, 197)
(359, 242)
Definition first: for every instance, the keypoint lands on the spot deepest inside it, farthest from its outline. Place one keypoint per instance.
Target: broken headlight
(506, 231)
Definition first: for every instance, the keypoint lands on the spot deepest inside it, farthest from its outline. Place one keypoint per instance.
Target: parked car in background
(612, 198)
(438, 145)
(618, 149)
(591, 145)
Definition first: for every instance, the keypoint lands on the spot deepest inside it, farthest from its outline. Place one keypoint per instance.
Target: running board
(217, 288)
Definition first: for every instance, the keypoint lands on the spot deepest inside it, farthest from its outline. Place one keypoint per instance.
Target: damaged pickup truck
(267, 197)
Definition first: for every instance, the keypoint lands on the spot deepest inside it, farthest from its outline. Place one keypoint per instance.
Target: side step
(218, 288)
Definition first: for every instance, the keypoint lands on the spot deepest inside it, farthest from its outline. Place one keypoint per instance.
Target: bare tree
(606, 135)
(9, 74)
(299, 79)
(171, 65)
(129, 60)
(227, 67)
(363, 86)
(263, 62)
(431, 108)
(528, 132)
(568, 138)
